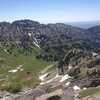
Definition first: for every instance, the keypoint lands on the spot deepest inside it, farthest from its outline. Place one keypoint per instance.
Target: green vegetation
(12, 87)
(90, 91)
(27, 74)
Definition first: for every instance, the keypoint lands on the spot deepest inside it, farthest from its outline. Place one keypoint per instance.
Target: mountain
(85, 24)
(75, 50)
(95, 30)
(57, 37)
(19, 29)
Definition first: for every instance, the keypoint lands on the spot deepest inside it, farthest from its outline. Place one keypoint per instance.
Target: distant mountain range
(85, 24)
(25, 32)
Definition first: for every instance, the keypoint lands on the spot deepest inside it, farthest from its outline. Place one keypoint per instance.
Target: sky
(47, 11)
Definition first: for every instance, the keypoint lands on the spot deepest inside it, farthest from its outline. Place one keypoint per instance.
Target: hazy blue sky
(50, 10)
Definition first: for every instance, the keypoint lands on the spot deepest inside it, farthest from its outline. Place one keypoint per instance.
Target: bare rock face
(29, 94)
(54, 98)
(47, 33)
(55, 95)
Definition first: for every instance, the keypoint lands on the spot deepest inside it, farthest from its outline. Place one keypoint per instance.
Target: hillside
(57, 37)
(19, 69)
(63, 55)
(45, 34)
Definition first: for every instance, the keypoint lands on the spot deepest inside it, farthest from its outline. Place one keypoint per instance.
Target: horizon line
(44, 22)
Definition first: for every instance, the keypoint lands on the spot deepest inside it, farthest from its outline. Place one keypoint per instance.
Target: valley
(48, 61)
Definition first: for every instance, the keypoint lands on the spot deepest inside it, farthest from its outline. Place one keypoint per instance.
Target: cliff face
(50, 34)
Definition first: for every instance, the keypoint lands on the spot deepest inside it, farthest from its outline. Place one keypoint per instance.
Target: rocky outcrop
(56, 94)
(53, 34)
(27, 94)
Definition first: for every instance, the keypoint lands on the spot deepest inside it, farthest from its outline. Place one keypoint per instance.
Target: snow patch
(76, 88)
(68, 83)
(19, 68)
(13, 71)
(94, 54)
(29, 34)
(57, 76)
(36, 44)
(42, 77)
(36, 40)
(65, 77)
(70, 67)
(48, 81)
(42, 83)
(5, 50)
(84, 88)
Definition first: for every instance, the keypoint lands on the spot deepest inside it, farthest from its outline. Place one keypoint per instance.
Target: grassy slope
(90, 91)
(26, 78)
